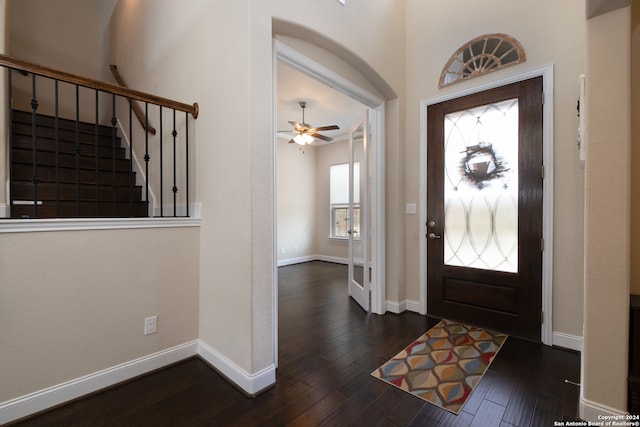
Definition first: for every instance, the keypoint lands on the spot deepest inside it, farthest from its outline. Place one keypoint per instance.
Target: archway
(324, 61)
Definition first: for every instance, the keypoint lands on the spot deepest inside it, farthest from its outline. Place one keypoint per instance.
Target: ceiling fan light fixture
(303, 139)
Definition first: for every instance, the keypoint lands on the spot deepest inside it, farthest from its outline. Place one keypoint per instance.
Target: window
(339, 200)
(482, 55)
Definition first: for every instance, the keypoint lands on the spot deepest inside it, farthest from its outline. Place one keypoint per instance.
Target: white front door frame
(376, 105)
(547, 215)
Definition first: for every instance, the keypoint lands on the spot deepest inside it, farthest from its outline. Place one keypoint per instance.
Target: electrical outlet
(151, 325)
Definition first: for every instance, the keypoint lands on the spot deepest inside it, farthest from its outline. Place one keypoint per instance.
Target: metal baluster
(57, 144)
(77, 150)
(131, 213)
(10, 109)
(174, 189)
(114, 130)
(146, 155)
(186, 148)
(34, 141)
(161, 171)
(97, 148)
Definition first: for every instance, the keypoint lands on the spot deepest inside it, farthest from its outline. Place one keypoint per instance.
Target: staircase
(88, 184)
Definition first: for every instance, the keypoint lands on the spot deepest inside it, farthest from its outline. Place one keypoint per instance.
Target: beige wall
(635, 146)
(297, 200)
(552, 33)
(606, 295)
(74, 303)
(65, 35)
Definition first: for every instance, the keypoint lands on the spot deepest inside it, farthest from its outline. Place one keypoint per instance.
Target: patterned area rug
(444, 365)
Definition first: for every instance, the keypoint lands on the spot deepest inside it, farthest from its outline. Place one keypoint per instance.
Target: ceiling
(325, 106)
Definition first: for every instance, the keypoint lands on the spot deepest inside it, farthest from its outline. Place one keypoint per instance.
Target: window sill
(82, 224)
(343, 238)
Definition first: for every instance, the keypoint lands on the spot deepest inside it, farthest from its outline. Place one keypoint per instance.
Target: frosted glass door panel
(481, 187)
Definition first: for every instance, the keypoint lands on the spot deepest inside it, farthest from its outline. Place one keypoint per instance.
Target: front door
(359, 245)
(484, 213)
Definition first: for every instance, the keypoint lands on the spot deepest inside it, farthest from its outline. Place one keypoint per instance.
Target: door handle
(433, 236)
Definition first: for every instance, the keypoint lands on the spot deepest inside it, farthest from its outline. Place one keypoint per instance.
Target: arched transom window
(482, 55)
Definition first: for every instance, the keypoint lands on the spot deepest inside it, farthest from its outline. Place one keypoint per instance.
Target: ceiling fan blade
(321, 128)
(322, 137)
(296, 125)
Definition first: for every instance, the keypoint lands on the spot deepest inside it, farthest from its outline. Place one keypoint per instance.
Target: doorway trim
(376, 105)
(547, 211)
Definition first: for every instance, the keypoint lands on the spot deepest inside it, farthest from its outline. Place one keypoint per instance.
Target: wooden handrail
(137, 110)
(41, 70)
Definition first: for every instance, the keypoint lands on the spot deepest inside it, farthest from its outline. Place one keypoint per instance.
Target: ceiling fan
(304, 133)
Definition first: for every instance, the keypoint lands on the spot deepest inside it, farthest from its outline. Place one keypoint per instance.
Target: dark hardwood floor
(328, 348)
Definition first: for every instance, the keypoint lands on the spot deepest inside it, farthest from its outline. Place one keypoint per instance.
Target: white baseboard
(251, 384)
(571, 342)
(413, 306)
(594, 412)
(402, 306)
(560, 339)
(32, 403)
(333, 259)
(298, 260)
(4, 211)
(307, 258)
(396, 307)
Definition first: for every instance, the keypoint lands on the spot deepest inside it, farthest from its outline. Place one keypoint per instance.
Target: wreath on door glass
(481, 165)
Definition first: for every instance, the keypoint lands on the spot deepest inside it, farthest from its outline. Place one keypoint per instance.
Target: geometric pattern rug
(444, 365)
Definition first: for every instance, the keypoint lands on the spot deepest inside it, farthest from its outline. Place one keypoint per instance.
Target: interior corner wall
(395, 201)
(205, 53)
(635, 146)
(297, 189)
(607, 183)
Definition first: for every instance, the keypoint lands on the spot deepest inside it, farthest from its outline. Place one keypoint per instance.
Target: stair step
(87, 210)
(24, 117)
(25, 142)
(95, 170)
(47, 191)
(23, 129)
(45, 158)
(68, 175)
